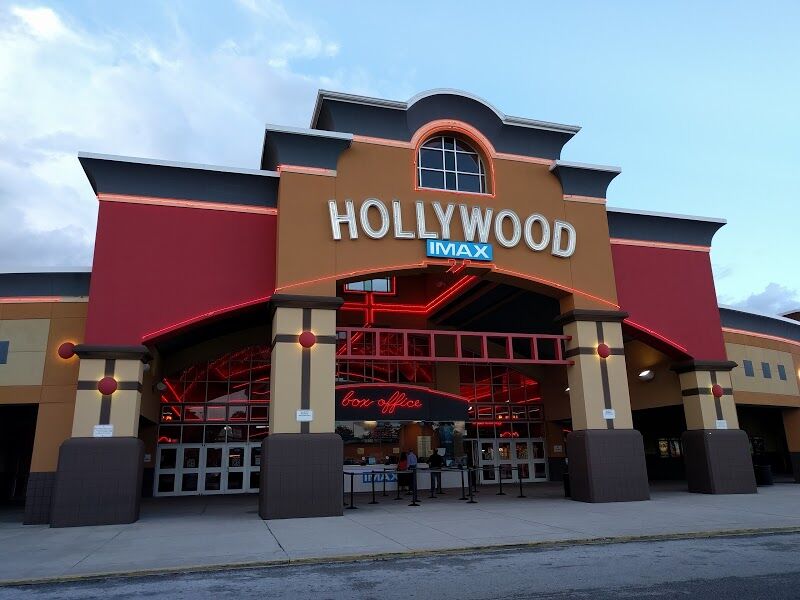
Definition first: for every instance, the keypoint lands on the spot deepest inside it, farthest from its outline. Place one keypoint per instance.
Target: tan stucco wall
(36, 374)
(758, 383)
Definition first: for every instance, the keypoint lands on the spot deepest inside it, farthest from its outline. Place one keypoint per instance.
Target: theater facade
(425, 275)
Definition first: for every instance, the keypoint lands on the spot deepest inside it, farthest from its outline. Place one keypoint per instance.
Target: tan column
(708, 395)
(598, 385)
(303, 364)
(119, 406)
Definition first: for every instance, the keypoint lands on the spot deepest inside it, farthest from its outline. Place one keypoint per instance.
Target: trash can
(565, 476)
(763, 475)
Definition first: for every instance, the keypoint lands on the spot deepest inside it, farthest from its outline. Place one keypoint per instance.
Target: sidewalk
(190, 533)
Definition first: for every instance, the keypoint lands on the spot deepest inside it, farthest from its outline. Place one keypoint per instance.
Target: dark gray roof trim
(182, 181)
(578, 179)
(662, 227)
(388, 119)
(46, 283)
(302, 147)
(749, 321)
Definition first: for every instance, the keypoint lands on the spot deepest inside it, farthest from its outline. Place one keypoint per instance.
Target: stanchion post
(372, 478)
(500, 479)
(519, 476)
(397, 476)
(471, 499)
(384, 481)
(352, 505)
(433, 494)
(413, 488)
(463, 490)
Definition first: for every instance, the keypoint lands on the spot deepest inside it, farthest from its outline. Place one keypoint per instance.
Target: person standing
(436, 462)
(412, 466)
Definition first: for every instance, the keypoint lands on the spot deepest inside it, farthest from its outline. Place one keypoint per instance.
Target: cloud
(776, 299)
(67, 86)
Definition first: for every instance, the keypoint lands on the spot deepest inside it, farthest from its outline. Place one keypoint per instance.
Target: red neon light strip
(655, 334)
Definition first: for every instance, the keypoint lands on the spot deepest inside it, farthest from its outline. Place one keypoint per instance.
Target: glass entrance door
(207, 469)
(514, 459)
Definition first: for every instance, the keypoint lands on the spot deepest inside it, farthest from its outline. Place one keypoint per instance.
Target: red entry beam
(434, 345)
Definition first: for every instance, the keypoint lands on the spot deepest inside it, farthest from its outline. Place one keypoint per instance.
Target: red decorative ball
(107, 386)
(307, 339)
(603, 351)
(66, 350)
(717, 390)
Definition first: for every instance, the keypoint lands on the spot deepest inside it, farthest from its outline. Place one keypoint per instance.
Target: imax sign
(461, 250)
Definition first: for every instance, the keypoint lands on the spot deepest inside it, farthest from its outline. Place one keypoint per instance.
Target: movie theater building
(424, 275)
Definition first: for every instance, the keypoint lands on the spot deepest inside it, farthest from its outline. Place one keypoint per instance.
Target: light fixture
(647, 375)
(566, 391)
(161, 386)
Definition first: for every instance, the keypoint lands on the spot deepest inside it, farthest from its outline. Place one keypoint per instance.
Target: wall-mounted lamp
(647, 375)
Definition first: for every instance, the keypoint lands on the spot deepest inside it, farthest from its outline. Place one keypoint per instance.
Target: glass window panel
(195, 392)
(193, 434)
(170, 413)
(169, 458)
(467, 163)
(259, 392)
(218, 391)
(487, 451)
(213, 482)
(506, 431)
(237, 433)
(238, 413)
(236, 456)
(503, 413)
(521, 449)
(450, 161)
(782, 372)
(463, 146)
(189, 482)
(194, 413)
(258, 432)
(519, 413)
(173, 391)
(488, 473)
(538, 449)
(748, 368)
(235, 480)
(765, 370)
(431, 179)
(449, 143)
(169, 434)
(213, 458)
(166, 482)
(506, 471)
(537, 430)
(469, 183)
(521, 430)
(191, 458)
(259, 413)
(524, 471)
(215, 433)
(466, 373)
(535, 413)
(255, 480)
(430, 159)
(451, 182)
(539, 471)
(240, 370)
(216, 413)
(504, 450)
(219, 369)
(433, 143)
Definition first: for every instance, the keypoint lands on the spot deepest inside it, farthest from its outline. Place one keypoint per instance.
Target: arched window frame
(484, 172)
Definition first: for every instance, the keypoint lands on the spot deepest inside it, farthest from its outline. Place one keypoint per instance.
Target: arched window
(446, 162)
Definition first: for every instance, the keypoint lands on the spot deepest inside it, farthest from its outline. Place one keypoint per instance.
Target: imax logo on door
(465, 250)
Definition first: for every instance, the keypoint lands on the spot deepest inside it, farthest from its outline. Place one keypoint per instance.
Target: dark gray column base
(301, 476)
(98, 482)
(38, 498)
(718, 461)
(794, 457)
(607, 465)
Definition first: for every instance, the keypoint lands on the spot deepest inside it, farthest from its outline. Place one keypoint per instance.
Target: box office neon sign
(384, 402)
(479, 225)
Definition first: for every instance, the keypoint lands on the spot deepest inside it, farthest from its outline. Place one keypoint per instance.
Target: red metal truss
(432, 345)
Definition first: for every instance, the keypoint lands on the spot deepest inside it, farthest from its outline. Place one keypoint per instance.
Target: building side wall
(158, 266)
(671, 291)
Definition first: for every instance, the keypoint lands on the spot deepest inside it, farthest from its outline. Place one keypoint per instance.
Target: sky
(697, 102)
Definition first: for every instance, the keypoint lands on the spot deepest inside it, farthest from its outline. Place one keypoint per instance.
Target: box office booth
(400, 275)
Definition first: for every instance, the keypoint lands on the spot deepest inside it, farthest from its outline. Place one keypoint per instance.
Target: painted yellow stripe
(180, 203)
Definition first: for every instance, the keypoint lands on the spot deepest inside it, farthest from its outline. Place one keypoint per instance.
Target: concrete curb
(356, 558)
